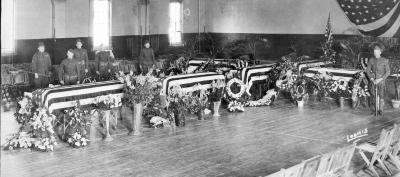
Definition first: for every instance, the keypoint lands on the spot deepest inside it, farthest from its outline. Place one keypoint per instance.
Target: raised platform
(257, 142)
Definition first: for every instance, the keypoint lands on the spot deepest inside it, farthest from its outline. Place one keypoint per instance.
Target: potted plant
(105, 104)
(396, 102)
(177, 103)
(216, 94)
(299, 94)
(339, 89)
(197, 101)
(139, 91)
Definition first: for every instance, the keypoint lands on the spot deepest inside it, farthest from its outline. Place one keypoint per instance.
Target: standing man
(104, 60)
(41, 66)
(146, 58)
(378, 70)
(69, 72)
(81, 56)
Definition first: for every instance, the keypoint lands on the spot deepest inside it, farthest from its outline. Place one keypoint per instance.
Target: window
(101, 24)
(7, 27)
(175, 23)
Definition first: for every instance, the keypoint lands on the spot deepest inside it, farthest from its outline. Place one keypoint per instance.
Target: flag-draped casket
(66, 96)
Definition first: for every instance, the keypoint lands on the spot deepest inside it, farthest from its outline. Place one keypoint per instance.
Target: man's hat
(79, 40)
(377, 45)
(70, 50)
(40, 44)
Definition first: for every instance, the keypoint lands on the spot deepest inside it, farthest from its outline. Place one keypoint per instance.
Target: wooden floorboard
(257, 142)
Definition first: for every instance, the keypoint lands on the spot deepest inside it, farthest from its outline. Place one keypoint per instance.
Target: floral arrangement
(36, 129)
(77, 122)
(238, 86)
(77, 140)
(107, 102)
(177, 105)
(217, 90)
(267, 100)
(154, 108)
(198, 100)
(140, 88)
(235, 106)
(339, 88)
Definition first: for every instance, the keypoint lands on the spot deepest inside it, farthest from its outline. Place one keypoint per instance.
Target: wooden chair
(294, 171)
(394, 146)
(310, 168)
(379, 152)
(325, 164)
(280, 173)
(341, 160)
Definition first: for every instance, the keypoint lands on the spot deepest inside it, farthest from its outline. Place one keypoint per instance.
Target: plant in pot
(105, 104)
(177, 103)
(396, 68)
(139, 91)
(339, 90)
(299, 94)
(217, 92)
(197, 101)
(359, 90)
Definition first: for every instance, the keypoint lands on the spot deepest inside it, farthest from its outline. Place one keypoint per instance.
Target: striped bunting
(255, 71)
(303, 65)
(187, 81)
(197, 62)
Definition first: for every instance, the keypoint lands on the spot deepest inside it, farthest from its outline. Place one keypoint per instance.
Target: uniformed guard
(104, 60)
(69, 72)
(146, 58)
(41, 66)
(81, 56)
(378, 70)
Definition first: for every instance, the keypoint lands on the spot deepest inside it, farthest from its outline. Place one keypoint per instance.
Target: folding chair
(379, 152)
(294, 171)
(394, 146)
(324, 165)
(311, 167)
(341, 160)
(280, 173)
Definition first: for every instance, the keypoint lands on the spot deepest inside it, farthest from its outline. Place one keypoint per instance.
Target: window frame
(10, 47)
(180, 32)
(94, 23)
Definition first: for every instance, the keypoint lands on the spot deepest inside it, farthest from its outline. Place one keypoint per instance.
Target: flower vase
(137, 117)
(354, 102)
(341, 102)
(180, 119)
(300, 103)
(396, 104)
(217, 104)
(200, 114)
(106, 116)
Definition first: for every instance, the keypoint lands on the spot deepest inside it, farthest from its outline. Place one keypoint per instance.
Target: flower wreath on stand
(36, 131)
(235, 91)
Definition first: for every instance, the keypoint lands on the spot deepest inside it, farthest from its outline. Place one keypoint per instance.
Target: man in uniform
(69, 72)
(41, 66)
(104, 60)
(146, 58)
(81, 56)
(378, 70)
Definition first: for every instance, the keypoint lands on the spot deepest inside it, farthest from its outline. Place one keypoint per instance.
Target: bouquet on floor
(178, 103)
(140, 88)
(197, 100)
(267, 100)
(339, 88)
(235, 106)
(36, 128)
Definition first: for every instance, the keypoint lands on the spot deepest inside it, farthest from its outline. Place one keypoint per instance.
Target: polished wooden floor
(257, 142)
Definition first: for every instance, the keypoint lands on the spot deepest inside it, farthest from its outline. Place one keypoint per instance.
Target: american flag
(379, 18)
(328, 32)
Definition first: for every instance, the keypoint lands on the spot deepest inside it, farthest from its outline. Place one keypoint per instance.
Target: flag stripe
(386, 27)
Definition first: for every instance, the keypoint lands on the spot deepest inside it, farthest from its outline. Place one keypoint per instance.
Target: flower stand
(300, 103)
(200, 115)
(341, 102)
(216, 107)
(106, 114)
(137, 118)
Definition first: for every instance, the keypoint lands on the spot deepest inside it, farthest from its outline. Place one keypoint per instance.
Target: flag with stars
(328, 32)
(379, 18)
